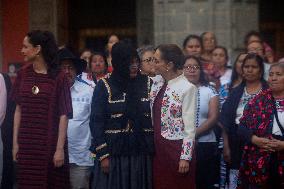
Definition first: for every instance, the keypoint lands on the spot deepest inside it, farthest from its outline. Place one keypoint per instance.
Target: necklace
(35, 90)
(198, 107)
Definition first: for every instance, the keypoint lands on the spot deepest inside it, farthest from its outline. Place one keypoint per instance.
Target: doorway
(271, 19)
(92, 21)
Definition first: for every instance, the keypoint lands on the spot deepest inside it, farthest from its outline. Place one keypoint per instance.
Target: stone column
(144, 22)
(50, 15)
(171, 18)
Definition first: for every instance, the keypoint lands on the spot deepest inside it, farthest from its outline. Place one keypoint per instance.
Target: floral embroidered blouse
(257, 120)
(178, 112)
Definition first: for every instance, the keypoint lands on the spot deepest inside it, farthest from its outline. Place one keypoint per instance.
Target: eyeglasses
(252, 50)
(149, 60)
(194, 68)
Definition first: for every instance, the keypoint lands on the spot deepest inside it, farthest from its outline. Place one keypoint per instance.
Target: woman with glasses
(174, 108)
(206, 118)
(146, 55)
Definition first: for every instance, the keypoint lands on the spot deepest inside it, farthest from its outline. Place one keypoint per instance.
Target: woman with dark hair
(222, 73)
(232, 110)
(86, 54)
(209, 43)
(192, 45)
(252, 36)
(174, 110)
(112, 39)
(236, 78)
(262, 128)
(43, 106)
(237, 73)
(206, 119)
(121, 125)
(98, 66)
(224, 91)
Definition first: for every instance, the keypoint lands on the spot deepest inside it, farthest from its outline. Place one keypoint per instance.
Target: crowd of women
(162, 118)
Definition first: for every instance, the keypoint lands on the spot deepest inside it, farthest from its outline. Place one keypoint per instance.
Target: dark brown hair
(172, 53)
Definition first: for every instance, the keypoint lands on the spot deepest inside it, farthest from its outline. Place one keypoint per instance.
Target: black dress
(122, 131)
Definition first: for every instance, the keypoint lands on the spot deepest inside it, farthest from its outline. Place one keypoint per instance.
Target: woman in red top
(42, 95)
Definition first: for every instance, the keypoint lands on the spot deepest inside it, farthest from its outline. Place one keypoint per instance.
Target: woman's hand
(105, 165)
(183, 166)
(15, 151)
(58, 158)
(262, 143)
(276, 145)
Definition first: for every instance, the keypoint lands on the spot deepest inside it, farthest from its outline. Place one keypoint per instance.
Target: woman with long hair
(43, 106)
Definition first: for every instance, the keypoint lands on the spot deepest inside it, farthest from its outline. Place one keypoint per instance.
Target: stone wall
(144, 22)
(50, 15)
(228, 19)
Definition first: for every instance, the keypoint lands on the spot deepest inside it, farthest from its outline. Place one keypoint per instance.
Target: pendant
(35, 90)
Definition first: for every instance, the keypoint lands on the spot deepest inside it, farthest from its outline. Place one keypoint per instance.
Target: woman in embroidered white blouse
(174, 109)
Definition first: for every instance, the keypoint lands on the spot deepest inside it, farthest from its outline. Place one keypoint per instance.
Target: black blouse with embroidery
(121, 118)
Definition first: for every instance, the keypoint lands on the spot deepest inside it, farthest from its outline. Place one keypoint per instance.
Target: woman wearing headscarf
(121, 125)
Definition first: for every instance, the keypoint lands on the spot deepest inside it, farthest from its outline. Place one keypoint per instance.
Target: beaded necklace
(198, 107)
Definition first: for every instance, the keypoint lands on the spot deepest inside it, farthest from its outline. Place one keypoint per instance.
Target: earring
(167, 70)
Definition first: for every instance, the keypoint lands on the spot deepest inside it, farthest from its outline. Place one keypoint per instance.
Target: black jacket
(121, 118)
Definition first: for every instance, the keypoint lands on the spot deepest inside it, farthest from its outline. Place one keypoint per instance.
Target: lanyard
(79, 78)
